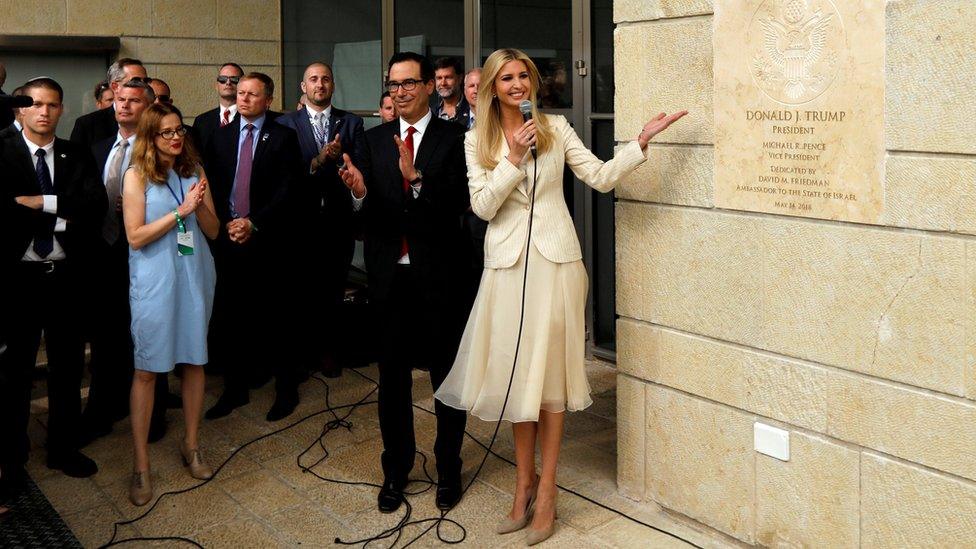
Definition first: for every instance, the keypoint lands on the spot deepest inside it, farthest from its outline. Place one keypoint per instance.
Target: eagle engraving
(791, 47)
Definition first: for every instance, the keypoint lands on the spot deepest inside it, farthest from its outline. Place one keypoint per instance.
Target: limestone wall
(858, 339)
(180, 41)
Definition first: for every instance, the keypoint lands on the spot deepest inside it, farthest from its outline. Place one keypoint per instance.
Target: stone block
(694, 270)
(631, 427)
(885, 303)
(40, 17)
(249, 20)
(109, 17)
(637, 348)
(931, 76)
(672, 175)
(812, 500)
(700, 461)
(931, 193)
(786, 390)
(664, 67)
(906, 506)
(932, 430)
(246, 53)
(185, 18)
(646, 10)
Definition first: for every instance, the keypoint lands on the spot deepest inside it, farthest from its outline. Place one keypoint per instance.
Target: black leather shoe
(225, 405)
(72, 463)
(448, 494)
(157, 428)
(283, 406)
(390, 497)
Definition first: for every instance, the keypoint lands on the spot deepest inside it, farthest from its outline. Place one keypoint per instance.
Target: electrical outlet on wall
(772, 441)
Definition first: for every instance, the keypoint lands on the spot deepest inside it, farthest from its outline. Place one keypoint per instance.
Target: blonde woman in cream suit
(549, 377)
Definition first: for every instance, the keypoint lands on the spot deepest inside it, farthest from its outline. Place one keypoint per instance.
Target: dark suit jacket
(277, 165)
(81, 198)
(94, 127)
(6, 115)
(462, 113)
(204, 126)
(326, 185)
(8, 131)
(431, 221)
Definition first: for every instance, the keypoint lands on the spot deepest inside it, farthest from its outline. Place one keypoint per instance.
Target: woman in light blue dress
(169, 215)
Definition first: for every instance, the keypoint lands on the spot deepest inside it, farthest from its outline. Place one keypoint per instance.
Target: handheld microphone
(526, 107)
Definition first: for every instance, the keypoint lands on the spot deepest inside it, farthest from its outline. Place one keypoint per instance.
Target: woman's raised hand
(657, 125)
(522, 140)
(193, 198)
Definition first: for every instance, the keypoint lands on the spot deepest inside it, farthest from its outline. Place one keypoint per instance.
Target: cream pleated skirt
(550, 373)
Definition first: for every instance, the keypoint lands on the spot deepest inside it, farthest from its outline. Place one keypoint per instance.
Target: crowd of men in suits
(318, 182)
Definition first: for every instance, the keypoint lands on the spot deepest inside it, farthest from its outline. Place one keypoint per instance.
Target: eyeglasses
(407, 85)
(224, 79)
(164, 99)
(170, 134)
(143, 79)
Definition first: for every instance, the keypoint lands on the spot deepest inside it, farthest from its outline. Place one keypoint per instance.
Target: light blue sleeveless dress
(171, 296)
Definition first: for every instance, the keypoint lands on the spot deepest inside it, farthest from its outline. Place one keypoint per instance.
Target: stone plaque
(799, 107)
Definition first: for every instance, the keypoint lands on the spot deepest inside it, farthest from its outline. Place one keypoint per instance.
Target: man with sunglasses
(161, 89)
(99, 125)
(207, 123)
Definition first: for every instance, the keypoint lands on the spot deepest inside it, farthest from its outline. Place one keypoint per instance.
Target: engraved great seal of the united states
(795, 46)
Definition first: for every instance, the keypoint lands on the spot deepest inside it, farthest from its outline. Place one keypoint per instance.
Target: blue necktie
(44, 232)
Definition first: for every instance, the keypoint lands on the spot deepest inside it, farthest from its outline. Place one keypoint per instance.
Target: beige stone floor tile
(186, 513)
(308, 526)
(239, 533)
(93, 527)
(261, 493)
(622, 533)
(72, 495)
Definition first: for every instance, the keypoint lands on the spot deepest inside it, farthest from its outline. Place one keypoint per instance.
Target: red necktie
(226, 119)
(404, 248)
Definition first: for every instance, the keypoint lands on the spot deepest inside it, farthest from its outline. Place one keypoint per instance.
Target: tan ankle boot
(193, 459)
(140, 488)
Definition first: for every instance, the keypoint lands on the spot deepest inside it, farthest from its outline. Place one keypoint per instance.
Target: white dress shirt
(50, 203)
(223, 109)
(327, 114)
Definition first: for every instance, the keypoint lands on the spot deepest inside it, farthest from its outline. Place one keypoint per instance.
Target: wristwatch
(418, 179)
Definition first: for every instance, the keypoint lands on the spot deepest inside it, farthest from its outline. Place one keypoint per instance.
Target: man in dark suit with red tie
(324, 133)
(53, 202)
(252, 165)
(204, 125)
(410, 190)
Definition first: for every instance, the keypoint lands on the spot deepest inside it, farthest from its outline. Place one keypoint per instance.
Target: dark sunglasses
(145, 80)
(233, 79)
(164, 99)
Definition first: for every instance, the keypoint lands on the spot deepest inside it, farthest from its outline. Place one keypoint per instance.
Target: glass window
(543, 30)
(346, 35)
(603, 275)
(434, 28)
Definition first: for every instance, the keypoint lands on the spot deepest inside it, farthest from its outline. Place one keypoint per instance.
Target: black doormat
(32, 522)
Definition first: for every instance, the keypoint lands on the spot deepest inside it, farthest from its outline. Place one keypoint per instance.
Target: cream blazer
(501, 196)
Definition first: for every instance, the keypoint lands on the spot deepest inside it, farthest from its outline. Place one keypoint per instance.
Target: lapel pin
(64, 155)
(264, 137)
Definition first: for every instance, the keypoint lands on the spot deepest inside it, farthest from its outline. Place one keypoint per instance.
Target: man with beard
(447, 81)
